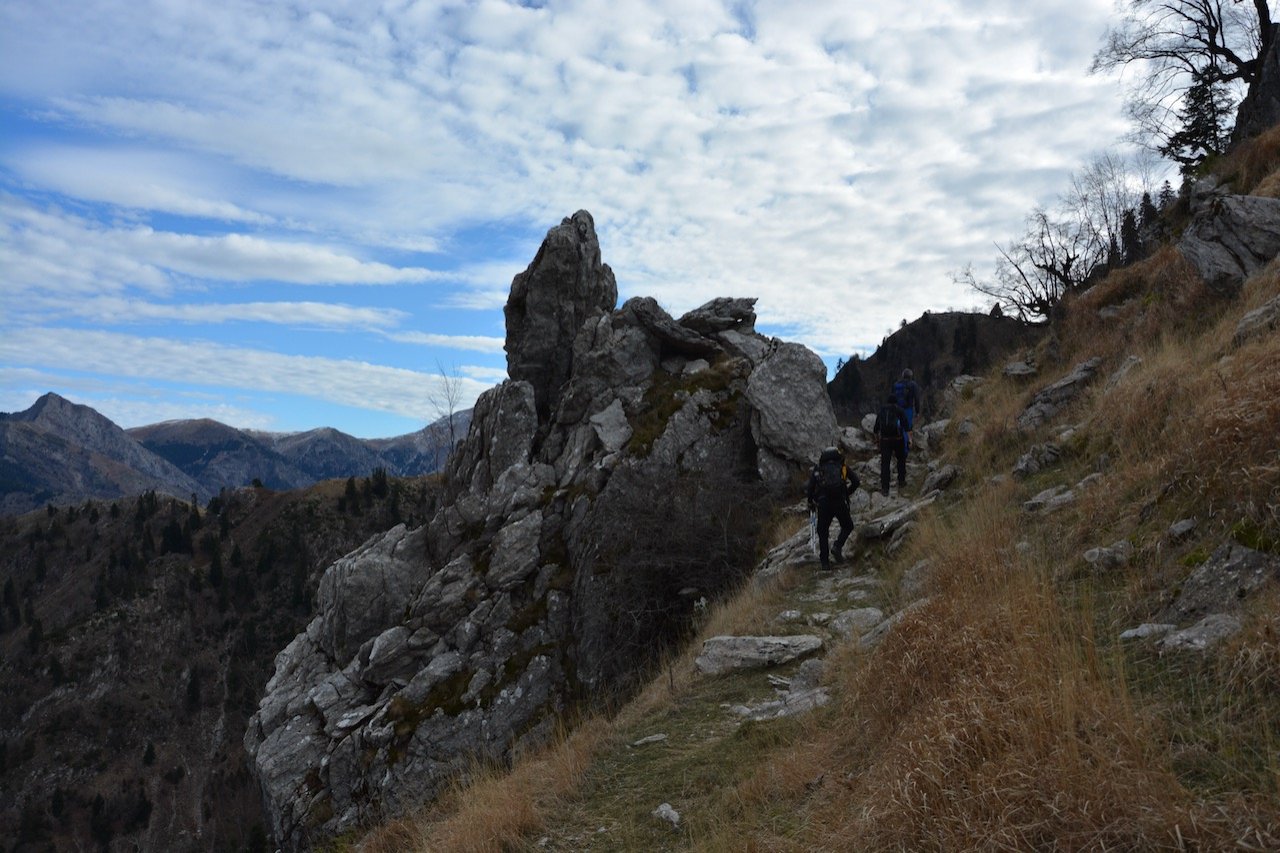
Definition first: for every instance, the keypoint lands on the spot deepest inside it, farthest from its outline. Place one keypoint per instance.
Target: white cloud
(835, 160)
(474, 343)
(112, 310)
(51, 249)
(343, 381)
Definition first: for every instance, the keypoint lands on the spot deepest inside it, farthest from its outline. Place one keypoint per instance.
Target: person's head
(906, 374)
(831, 454)
(891, 398)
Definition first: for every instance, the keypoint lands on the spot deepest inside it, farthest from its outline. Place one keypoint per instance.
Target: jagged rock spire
(564, 286)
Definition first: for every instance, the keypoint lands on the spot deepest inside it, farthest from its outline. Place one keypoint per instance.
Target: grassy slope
(1004, 713)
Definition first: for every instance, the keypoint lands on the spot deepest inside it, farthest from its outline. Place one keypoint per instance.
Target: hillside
(136, 636)
(1074, 641)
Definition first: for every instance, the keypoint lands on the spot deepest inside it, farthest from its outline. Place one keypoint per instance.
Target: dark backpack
(890, 427)
(831, 477)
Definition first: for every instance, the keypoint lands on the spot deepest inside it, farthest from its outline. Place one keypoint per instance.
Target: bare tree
(1063, 246)
(1179, 46)
(1033, 272)
(445, 398)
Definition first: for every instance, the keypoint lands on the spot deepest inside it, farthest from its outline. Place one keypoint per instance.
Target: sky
(288, 215)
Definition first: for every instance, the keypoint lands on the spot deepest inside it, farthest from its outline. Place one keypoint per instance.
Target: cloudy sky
(288, 215)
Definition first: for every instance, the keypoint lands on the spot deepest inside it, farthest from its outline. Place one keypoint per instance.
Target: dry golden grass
(985, 722)
(496, 807)
(1250, 164)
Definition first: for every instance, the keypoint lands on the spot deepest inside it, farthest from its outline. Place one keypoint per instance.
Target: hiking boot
(826, 566)
(836, 556)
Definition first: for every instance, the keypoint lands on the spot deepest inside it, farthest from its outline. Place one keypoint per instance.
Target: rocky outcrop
(1053, 398)
(573, 542)
(565, 285)
(1231, 238)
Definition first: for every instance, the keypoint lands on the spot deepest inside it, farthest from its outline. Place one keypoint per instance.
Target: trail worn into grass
(692, 751)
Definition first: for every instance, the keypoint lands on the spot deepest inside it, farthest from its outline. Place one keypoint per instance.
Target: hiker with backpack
(891, 432)
(830, 485)
(907, 395)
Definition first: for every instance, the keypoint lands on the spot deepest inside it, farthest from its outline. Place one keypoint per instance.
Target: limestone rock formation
(572, 544)
(1231, 238)
(564, 285)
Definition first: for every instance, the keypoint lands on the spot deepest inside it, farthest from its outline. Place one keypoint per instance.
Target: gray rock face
(1232, 574)
(564, 286)
(467, 637)
(1231, 238)
(1052, 399)
(1260, 109)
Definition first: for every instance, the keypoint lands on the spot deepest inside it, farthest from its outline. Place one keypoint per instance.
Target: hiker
(891, 431)
(907, 394)
(830, 485)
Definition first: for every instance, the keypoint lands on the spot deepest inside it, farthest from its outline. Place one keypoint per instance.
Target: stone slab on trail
(727, 654)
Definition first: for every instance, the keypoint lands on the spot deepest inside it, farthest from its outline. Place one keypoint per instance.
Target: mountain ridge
(61, 452)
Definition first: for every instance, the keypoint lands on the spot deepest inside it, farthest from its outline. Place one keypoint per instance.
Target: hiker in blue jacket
(907, 395)
(891, 432)
(830, 485)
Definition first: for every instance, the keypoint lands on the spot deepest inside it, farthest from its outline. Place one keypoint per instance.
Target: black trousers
(891, 448)
(829, 508)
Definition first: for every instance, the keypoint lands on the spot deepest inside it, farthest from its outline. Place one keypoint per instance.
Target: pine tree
(1130, 240)
(1148, 215)
(1204, 120)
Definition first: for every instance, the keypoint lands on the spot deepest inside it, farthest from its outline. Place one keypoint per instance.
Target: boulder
(1231, 238)
(1117, 376)
(725, 654)
(940, 479)
(1260, 109)
(1203, 635)
(854, 623)
(1019, 370)
(1115, 557)
(1147, 630)
(366, 590)
(886, 525)
(722, 315)
(792, 415)
(465, 639)
(1037, 459)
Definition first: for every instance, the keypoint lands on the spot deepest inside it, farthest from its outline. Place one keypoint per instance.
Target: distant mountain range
(61, 452)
